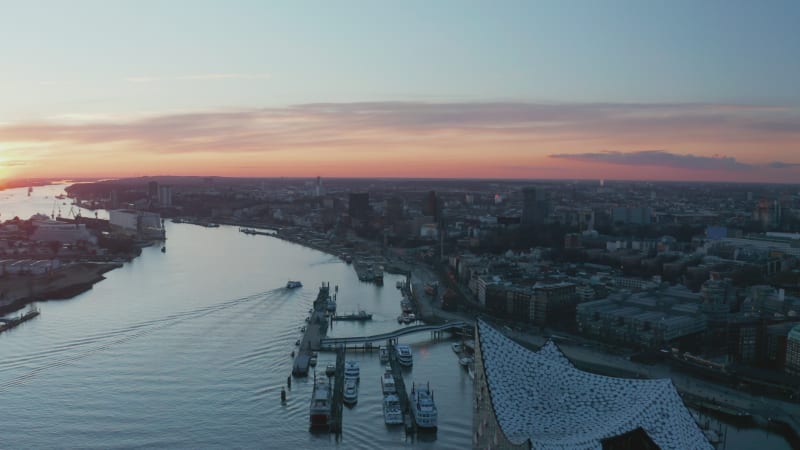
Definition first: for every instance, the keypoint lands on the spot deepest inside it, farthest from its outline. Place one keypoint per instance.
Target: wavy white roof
(540, 396)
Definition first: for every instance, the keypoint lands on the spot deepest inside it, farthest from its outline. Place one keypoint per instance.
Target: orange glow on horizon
(416, 140)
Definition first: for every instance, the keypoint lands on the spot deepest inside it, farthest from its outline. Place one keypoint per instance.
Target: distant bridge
(331, 343)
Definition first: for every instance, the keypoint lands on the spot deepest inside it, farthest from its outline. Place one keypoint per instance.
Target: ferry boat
(293, 284)
(392, 413)
(319, 414)
(350, 395)
(387, 383)
(423, 407)
(383, 354)
(404, 356)
(360, 315)
(351, 370)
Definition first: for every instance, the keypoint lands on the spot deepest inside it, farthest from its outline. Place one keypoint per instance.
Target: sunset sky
(679, 90)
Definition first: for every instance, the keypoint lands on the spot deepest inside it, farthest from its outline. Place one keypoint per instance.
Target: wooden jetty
(315, 331)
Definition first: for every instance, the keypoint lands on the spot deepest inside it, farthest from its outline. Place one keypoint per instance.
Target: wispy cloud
(225, 76)
(496, 134)
(142, 79)
(782, 165)
(200, 77)
(660, 158)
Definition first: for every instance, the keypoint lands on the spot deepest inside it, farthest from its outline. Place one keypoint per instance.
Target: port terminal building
(539, 400)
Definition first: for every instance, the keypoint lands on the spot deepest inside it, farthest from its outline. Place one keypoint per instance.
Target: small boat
(387, 383)
(360, 315)
(163, 249)
(350, 396)
(423, 408)
(457, 348)
(319, 414)
(312, 361)
(330, 369)
(466, 361)
(404, 318)
(297, 342)
(392, 414)
(352, 370)
(293, 284)
(404, 356)
(383, 354)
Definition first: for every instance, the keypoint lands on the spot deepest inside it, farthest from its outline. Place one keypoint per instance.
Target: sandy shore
(16, 291)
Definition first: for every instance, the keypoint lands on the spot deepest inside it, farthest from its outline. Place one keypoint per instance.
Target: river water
(190, 349)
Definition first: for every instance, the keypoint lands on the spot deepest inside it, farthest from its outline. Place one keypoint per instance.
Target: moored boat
(330, 369)
(392, 413)
(466, 361)
(404, 355)
(360, 315)
(350, 395)
(352, 370)
(423, 408)
(456, 347)
(387, 383)
(319, 414)
(383, 354)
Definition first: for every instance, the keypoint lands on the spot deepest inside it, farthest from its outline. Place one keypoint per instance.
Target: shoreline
(18, 291)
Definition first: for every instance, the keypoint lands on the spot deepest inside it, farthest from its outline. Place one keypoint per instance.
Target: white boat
(350, 391)
(392, 414)
(423, 407)
(293, 284)
(387, 383)
(319, 414)
(330, 369)
(456, 347)
(466, 361)
(352, 370)
(404, 356)
(383, 354)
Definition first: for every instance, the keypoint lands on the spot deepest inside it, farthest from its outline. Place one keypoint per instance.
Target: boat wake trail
(71, 351)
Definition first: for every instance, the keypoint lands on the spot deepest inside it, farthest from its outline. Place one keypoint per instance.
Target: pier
(338, 393)
(400, 385)
(436, 330)
(315, 330)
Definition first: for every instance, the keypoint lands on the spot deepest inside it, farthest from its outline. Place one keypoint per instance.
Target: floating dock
(315, 331)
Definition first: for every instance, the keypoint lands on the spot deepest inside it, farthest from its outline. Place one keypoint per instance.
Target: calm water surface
(190, 349)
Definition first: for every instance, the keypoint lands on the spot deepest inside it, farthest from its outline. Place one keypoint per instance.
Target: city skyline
(450, 90)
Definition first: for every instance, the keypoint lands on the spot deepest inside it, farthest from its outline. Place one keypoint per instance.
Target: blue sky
(75, 56)
(120, 61)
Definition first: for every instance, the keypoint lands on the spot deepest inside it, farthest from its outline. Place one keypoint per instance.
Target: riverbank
(17, 291)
